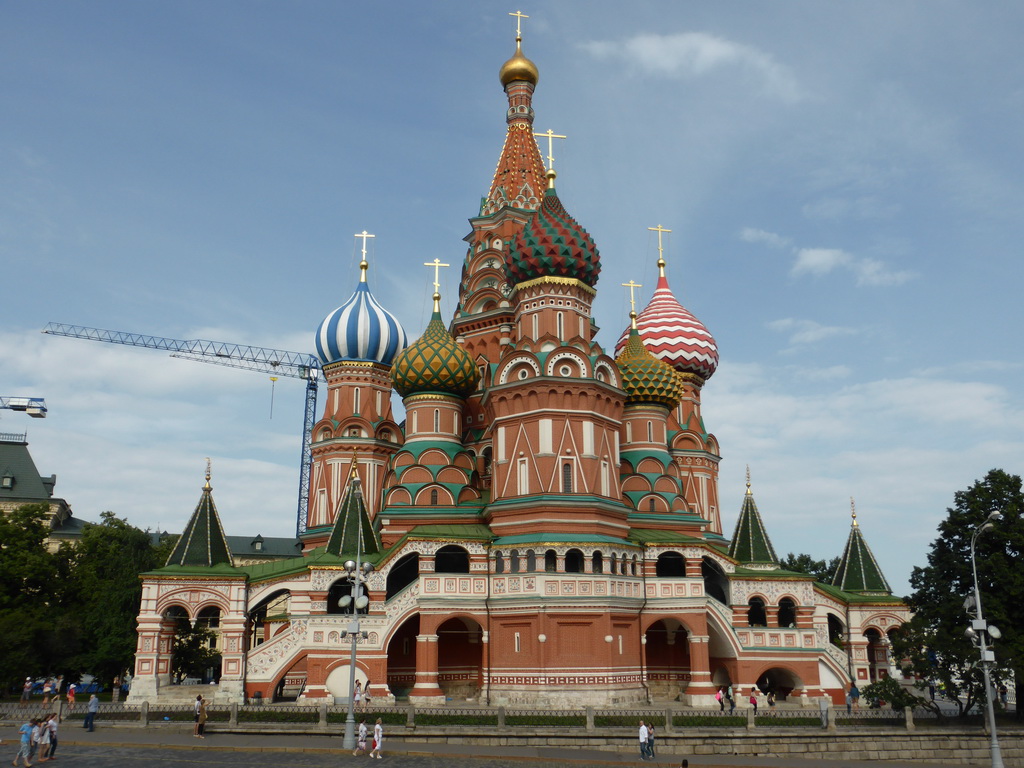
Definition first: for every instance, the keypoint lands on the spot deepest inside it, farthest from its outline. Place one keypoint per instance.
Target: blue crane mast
(33, 406)
(279, 362)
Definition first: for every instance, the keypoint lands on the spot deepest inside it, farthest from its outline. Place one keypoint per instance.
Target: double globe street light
(979, 633)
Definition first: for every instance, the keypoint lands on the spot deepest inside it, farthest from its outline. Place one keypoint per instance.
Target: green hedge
(387, 718)
(709, 721)
(612, 720)
(278, 716)
(787, 722)
(426, 719)
(572, 721)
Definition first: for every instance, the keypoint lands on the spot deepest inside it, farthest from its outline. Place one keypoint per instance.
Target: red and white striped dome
(673, 334)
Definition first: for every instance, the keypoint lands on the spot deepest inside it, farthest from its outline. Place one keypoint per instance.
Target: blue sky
(843, 182)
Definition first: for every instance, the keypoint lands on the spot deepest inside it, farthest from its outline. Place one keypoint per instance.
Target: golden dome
(518, 68)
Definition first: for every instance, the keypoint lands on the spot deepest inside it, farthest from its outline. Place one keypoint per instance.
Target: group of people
(51, 691)
(38, 738)
(724, 694)
(200, 718)
(361, 695)
(646, 741)
(378, 739)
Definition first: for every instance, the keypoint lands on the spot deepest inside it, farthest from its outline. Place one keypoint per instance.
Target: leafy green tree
(892, 692)
(933, 642)
(28, 576)
(105, 589)
(192, 654)
(821, 570)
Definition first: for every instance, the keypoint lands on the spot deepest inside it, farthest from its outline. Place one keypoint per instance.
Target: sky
(844, 184)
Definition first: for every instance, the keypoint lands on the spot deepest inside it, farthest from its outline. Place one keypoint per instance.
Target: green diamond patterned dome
(553, 244)
(646, 379)
(435, 363)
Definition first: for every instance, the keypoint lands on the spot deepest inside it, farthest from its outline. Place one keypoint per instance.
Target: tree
(192, 653)
(933, 642)
(105, 589)
(892, 692)
(28, 575)
(803, 563)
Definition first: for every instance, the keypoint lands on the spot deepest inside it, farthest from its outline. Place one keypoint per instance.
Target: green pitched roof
(202, 543)
(353, 530)
(750, 543)
(858, 570)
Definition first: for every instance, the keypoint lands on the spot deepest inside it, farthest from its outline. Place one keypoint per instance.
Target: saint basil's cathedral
(544, 528)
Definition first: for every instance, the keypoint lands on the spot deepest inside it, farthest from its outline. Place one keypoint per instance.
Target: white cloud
(754, 235)
(819, 261)
(875, 272)
(698, 54)
(807, 331)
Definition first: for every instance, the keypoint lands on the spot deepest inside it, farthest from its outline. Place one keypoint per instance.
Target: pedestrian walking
(357, 696)
(753, 699)
(25, 745)
(26, 692)
(52, 724)
(72, 690)
(202, 717)
(43, 740)
(195, 719)
(47, 687)
(90, 713)
(720, 698)
(361, 739)
(650, 741)
(855, 695)
(849, 702)
(731, 699)
(642, 734)
(366, 694)
(34, 739)
(378, 739)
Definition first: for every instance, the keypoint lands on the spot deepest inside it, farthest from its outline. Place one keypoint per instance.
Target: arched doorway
(667, 649)
(402, 574)
(402, 658)
(781, 680)
(268, 617)
(670, 565)
(451, 559)
(716, 584)
(208, 622)
(878, 654)
(460, 658)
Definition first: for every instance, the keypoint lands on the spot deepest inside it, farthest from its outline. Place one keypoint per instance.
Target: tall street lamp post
(355, 601)
(979, 632)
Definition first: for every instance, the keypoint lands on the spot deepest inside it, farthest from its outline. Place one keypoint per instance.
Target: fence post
(668, 719)
(233, 717)
(590, 718)
(830, 717)
(323, 715)
(501, 717)
(144, 713)
(410, 716)
(909, 715)
(751, 722)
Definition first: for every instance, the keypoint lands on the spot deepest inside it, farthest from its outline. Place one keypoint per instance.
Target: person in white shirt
(360, 739)
(378, 739)
(643, 740)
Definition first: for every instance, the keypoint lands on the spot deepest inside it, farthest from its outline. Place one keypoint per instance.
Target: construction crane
(296, 365)
(33, 406)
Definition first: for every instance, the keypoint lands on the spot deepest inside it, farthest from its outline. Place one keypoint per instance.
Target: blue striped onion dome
(360, 329)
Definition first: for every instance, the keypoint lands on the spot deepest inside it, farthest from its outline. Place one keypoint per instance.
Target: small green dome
(646, 379)
(435, 363)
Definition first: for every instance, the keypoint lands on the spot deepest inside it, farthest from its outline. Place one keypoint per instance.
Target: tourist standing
(196, 707)
(90, 713)
(202, 717)
(729, 696)
(357, 696)
(53, 722)
(366, 694)
(855, 695)
(650, 741)
(26, 692)
(753, 699)
(43, 739)
(643, 733)
(849, 702)
(361, 738)
(720, 698)
(378, 739)
(72, 690)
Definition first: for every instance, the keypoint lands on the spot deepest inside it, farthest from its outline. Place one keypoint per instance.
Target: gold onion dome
(518, 68)
(436, 364)
(646, 379)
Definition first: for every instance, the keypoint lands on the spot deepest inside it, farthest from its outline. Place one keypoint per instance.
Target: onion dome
(360, 330)
(553, 244)
(519, 68)
(674, 335)
(435, 363)
(646, 379)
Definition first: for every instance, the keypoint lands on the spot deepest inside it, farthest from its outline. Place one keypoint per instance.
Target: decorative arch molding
(518, 362)
(193, 597)
(668, 618)
(580, 366)
(605, 368)
(773, 592)
(259, 593)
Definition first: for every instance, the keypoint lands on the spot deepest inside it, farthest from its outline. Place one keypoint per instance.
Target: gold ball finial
(551, 176)
(518, 68)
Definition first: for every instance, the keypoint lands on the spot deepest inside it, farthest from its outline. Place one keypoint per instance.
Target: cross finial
(207, 474)
(748, 480)
(436, 264)
(551, 136)
(661, 258)
(519, 21)
(632, 301)
(363, 264)
(853, 511)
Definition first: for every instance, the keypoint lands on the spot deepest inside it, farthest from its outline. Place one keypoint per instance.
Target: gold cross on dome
(519, 20)
(363, 264)
(551, 136)
(632, 301)
(853, 511)
(661, 259)
(436, 264)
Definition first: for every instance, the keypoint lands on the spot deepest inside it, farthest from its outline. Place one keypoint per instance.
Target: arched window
(355, 401)
(437, 420)
(513, 561)
(499, 563)
(632, 566)
(650, 505)
(615, 564)
(550, 561)
(451, 559)
(787, 612)
(433, 495)
(531, 561)
(574, 561)
(716, 584)
(403, 573)
(756, 614)
(567, 477)
(671, 565)
(598, 562)
(650, 431)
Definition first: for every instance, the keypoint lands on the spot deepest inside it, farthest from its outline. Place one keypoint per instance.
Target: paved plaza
(124, 747)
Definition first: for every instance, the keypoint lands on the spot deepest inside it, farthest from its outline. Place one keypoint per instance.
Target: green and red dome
(646, 379)
(553, 244)
(436, 364)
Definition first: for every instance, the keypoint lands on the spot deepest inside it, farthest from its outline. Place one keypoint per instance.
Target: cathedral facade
(543, 528)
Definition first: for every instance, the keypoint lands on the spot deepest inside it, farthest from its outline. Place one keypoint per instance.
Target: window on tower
(567, 477)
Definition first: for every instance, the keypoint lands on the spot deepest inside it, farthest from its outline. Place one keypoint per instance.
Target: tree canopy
(934, 641)
(821, 570)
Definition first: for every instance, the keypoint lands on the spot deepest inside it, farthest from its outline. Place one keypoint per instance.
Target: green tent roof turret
(202, 543)
(750, 543)
(858, 570)
(353, 532)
